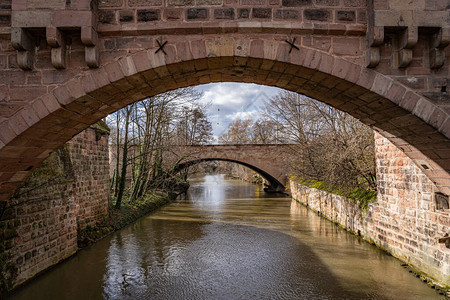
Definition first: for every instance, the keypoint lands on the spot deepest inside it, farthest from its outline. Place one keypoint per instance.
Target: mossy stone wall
(404, 220)
(66, 193)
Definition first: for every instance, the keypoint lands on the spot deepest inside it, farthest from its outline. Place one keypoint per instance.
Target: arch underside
(94, 94)
(274, 184)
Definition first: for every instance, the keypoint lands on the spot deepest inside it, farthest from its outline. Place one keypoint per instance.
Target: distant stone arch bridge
(64, 65)
(269, 160)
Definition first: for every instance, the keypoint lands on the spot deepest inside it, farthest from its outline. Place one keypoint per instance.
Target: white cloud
(243, 115)
(228, 101)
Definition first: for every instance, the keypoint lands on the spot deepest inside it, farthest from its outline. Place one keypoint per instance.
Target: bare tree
(193, 127)
(239, 132)
(145, 131)
(121, 186)
(332, 146)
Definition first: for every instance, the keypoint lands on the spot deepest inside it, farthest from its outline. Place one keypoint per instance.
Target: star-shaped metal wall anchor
(161, 46)
(292, 45)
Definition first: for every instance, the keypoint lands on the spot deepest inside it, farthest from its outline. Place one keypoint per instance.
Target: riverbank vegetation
(144, 137)
(127, 214)
(142, 144)
(362, 196)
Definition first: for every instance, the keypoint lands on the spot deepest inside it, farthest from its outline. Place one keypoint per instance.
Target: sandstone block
(317, 14)
(107, 17)
(346, 15)
(133, 3)
(196, 14)
(287, 14)
(126, 16)
(262, 13)
(180, 2)
(148, 15)
(224, 13)
(296, 3)
(243, 13)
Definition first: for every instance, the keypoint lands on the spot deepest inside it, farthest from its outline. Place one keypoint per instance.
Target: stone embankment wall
(67, 193)
(407, 220)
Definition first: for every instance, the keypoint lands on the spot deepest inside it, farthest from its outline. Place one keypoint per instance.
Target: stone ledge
(238, 27)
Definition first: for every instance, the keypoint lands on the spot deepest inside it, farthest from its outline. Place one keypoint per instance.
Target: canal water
(229, 240)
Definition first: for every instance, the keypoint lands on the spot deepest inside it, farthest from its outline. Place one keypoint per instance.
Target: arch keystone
(241, 47)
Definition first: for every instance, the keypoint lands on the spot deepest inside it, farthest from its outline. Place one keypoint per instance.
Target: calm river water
(229, 240)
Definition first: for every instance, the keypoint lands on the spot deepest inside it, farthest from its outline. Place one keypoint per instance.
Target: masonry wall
(89, 153)
(68, 192)
(405, 220)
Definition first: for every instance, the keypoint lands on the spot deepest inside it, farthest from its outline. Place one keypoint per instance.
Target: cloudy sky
(228, 101)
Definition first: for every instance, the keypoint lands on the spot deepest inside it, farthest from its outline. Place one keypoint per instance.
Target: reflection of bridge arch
(275, 184)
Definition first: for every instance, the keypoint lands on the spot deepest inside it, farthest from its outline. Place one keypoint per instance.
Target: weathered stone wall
(138, 14)
(339, 209)
(68, 192)
(89, 153)
(405, 220)
(212, 41)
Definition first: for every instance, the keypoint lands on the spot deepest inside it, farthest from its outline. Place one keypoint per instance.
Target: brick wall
(130, 12)
(405, 220)
(66, 193)
(89, 153)
(200, 51)
(5, 12)
(338, 209)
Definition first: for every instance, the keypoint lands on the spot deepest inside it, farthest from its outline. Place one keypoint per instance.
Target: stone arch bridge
(66, 64)
(270, 161)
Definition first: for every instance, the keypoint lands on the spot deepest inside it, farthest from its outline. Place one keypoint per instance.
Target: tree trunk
(123, 174)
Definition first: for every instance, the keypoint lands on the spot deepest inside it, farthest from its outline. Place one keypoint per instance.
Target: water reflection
(218, 261)
(222, 242)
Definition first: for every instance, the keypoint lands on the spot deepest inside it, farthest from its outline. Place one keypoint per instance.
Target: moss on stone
(364, 197)
(57, 168)
(101, 127)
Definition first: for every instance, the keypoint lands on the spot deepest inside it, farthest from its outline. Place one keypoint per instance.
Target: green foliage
(56, 169)
(102, 127)
(364, 197)
(257, 179)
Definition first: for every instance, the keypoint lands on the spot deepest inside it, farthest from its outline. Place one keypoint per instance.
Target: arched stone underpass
(65, 65)
(272, 161)
(274, 186)
(378, 101)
